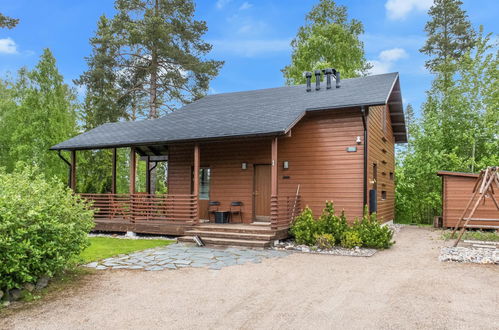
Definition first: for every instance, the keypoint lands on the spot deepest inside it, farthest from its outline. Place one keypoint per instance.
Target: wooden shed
(457, 189)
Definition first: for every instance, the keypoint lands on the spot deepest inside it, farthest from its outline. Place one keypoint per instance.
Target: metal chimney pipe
(308, 75)
(317, 79)
(328, 73)
(337, 75)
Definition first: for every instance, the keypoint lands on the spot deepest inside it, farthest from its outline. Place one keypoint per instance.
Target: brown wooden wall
(381, 150)
(457, 191)
(317, 156)
(320, 163)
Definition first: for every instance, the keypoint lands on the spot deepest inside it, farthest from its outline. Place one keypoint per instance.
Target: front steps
(255, 236)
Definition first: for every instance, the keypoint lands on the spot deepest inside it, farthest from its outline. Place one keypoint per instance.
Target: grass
(105, 247)
(476, 235)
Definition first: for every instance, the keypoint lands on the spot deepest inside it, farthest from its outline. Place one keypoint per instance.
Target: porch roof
(272, 111)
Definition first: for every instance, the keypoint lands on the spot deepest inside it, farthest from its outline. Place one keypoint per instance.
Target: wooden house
(248, 152)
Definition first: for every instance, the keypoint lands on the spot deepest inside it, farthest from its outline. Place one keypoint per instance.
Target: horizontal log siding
(319, 162)
(228, 181)
(316, 151)
(385, 160)
(457, 192)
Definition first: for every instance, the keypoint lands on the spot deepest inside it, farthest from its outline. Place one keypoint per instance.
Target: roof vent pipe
(337, 77)
(317, 79)
(308, 75)
(328, 73)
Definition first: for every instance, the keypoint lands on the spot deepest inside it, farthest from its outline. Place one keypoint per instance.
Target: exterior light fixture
(285, 165)
(244, 166)
(358, 140)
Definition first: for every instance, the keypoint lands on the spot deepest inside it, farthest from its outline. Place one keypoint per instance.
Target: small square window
(383, 194)
(391, 175)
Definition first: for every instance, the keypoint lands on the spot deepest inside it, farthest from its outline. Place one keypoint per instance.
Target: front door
(261, 193)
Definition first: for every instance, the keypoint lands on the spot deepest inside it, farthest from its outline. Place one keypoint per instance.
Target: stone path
(179, 255)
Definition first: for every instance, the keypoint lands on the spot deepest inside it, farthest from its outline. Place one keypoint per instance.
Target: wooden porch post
(148, 174)
(113, 182)
(196, 182)
(73, 170)
(133, 166)
(273, 186)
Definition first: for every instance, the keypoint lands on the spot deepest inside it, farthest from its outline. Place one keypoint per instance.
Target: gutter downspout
(69, 166)
(364, 195)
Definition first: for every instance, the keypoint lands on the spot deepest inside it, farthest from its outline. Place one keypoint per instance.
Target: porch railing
(144, 207)
(284, 209)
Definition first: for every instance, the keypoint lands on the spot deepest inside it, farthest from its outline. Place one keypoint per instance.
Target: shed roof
(451, 173)
(272, 111)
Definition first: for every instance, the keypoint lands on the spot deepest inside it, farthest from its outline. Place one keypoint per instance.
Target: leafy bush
(371, 232)
(305, 228)
(332, 224)
(351, 239)
(43, 227)
(324, 241)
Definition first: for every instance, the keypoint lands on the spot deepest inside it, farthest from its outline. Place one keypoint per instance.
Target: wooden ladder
(484, 186)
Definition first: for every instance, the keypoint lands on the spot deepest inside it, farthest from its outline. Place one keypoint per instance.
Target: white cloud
(222, 3)
(8, 46)
(386, 59)
(245, 5)
(390, 55)
(250, 48)
(399, 9)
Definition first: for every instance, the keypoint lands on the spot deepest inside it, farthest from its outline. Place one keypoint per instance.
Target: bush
(43, 227)
(371, 232)
(351, 239)
(324, 241)
(305, 228)
(332, 224)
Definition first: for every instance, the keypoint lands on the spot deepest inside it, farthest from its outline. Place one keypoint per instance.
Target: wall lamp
(244, 166)
(358, 140)
(285, 165)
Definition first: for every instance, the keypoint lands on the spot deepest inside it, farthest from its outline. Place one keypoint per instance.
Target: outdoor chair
(213, 207)
(236, 208)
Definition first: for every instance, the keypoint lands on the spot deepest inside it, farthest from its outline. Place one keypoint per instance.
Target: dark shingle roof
(271, 111)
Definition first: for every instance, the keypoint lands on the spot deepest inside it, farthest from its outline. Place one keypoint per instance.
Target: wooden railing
(144, 207)
(284, 209)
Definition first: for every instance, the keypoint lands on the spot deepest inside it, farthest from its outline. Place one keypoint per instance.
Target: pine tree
(8, 22)
(450, 36)
(161, 47)
(327, 40)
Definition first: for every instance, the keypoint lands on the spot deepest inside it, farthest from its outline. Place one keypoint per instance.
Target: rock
(6, 303)
(29, 287)
(15, 294)
(92, 264)
(290, 247)
(42, 282)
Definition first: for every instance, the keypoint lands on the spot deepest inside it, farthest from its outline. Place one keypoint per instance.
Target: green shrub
(305, 228)
(43, 227)
(371, 232)
(324, 241)
(329, 223)
(351, 239)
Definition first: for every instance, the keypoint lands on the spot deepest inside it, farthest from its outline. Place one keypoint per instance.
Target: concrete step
(230, 235)
(227, 242)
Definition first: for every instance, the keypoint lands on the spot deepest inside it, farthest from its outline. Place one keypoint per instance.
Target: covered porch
(240, 177)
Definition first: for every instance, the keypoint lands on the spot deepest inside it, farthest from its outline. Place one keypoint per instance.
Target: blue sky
(252, 36)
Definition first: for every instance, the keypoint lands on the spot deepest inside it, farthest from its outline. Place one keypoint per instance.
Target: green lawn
(105, 247)
(477, 235)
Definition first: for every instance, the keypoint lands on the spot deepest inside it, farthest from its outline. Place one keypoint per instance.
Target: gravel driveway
(404, 287)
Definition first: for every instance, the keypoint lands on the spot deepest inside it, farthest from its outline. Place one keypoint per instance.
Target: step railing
(284, 209)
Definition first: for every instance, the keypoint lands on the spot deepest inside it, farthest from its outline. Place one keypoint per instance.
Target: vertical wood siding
(381, 150)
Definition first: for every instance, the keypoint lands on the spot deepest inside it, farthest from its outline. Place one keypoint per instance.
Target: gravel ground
(405, 287)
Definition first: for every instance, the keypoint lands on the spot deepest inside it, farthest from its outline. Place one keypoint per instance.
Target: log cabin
(242, 165)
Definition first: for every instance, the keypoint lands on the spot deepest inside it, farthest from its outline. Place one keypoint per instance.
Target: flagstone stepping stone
(181, 262)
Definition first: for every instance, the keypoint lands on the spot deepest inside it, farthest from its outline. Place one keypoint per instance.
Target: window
(391, 175)
(383, 194)
(204, 182)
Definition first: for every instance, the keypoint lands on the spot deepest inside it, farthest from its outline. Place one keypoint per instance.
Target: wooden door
(261, 193)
